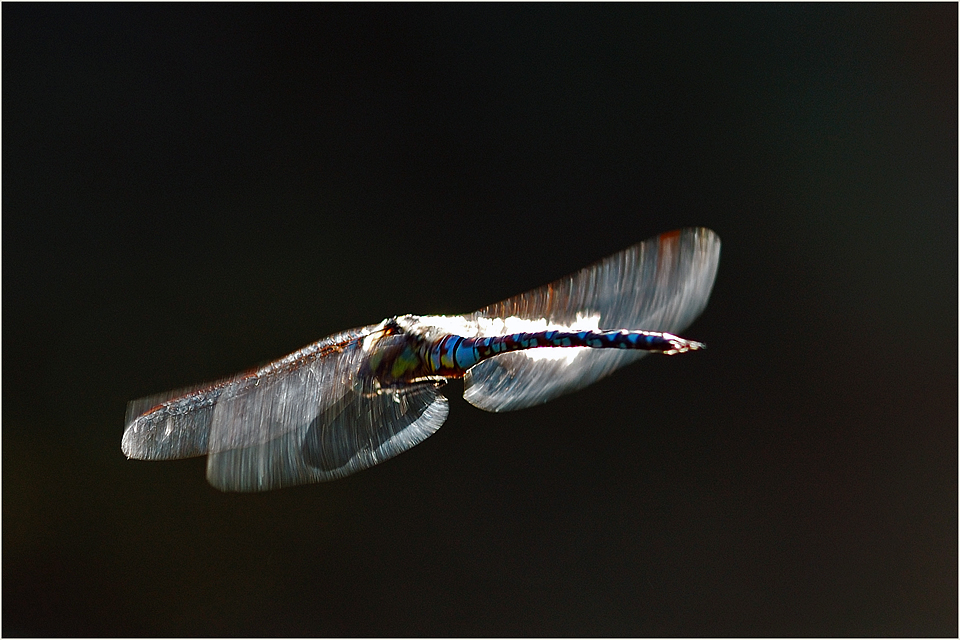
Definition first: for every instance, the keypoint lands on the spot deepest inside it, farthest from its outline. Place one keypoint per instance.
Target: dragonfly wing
(356, 431)
(303, 418)
(177, 424)
(364, 430)
(171, 425)
(514, 381)
(661, 284)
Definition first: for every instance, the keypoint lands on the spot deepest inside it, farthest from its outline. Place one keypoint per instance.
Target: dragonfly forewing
(661, 284)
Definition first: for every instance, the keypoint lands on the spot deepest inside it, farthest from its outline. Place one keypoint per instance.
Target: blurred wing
(297, 420)
(177, 424)
(171, 425)
(661, 284)
(353, 433)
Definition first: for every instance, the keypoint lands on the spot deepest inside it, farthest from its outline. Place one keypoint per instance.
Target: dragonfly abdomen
(453, 355)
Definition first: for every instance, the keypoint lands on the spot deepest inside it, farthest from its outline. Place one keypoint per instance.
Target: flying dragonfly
(362, 396)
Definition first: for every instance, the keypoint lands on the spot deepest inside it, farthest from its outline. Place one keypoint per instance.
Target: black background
(191, 190)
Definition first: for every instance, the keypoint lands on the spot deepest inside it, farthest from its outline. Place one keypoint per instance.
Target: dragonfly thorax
(397, 355)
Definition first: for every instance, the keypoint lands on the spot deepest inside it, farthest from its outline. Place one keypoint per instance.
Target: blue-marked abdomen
(453, 355)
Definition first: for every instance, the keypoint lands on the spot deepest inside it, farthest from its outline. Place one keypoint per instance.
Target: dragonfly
(360, 397)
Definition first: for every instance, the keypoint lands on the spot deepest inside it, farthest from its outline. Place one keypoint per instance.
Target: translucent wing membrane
(171, 425)
(661, 284)
(299, 419)
(351, 434)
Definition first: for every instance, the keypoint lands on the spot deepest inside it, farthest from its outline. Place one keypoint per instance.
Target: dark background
(189, 191)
